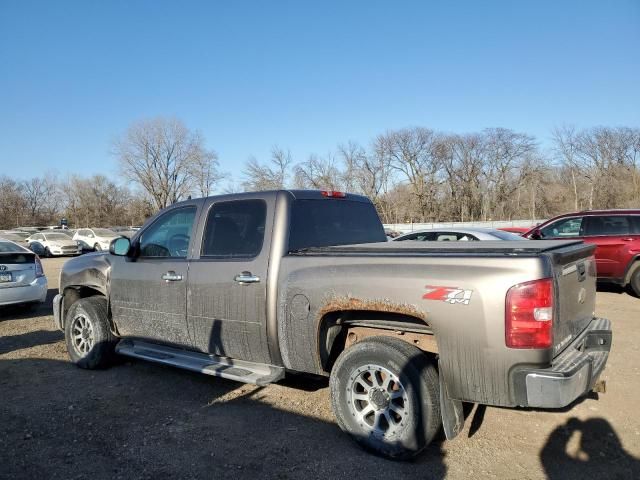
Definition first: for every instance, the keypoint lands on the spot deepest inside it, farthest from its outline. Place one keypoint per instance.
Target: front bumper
(36, 291)
(57, 312)
(572, 374)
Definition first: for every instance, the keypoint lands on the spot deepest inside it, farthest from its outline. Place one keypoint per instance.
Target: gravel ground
(140, 420)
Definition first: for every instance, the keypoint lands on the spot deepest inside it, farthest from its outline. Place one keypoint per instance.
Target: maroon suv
(616, 234)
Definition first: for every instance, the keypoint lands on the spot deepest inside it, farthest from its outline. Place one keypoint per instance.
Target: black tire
(417, 421)
(96, 348)
(97, 247)
(634, 281)
(47, 252)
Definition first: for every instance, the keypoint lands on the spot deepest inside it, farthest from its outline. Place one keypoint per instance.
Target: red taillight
(333, 194)
(39, 269)
(529, 315)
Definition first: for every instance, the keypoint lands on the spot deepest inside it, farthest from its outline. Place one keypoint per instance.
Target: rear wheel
(89, 340)
(97, 247)
(385, 394)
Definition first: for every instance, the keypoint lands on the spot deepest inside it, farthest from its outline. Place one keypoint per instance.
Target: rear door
(611, 234)
(149, 291)
(226, 299)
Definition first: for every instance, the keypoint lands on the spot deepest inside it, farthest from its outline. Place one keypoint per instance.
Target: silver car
(469, 234)
(22, 278)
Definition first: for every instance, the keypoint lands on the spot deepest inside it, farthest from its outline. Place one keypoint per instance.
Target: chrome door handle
(171, 276)
(245, 278)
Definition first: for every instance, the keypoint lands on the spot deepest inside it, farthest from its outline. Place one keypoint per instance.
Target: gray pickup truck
(251, 286)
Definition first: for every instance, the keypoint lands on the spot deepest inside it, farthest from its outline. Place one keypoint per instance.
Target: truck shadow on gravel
(140, 420)
(21, 341)
(587, 449)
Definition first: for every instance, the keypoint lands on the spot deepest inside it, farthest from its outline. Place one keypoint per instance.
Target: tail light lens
(529, 315)
(39, 269)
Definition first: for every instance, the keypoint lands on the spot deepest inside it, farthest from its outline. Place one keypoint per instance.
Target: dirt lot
(139, 420)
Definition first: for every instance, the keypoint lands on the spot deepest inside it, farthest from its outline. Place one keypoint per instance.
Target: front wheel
(635, 281)
(385, 394)
(97, 247)
(89, 340)
(47, 252)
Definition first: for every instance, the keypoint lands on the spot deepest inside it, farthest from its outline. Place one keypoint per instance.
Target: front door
(226, 300)
(149, 291)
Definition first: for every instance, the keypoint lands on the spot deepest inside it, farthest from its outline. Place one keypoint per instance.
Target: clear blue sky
(303, 75)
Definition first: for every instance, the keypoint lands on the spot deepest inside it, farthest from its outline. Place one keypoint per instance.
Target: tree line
(412, 175)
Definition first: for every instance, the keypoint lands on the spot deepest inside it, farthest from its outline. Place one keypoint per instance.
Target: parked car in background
(615, 233)
(516, 230)
(50, 243)
(22, 279)
(17, 237)
(470, 234)
(95, 239)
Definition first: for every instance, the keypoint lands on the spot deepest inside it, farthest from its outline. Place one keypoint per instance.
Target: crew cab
(251, 286)
(615, 234)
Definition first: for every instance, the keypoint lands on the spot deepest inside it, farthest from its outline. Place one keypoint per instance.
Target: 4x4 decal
(450, 295)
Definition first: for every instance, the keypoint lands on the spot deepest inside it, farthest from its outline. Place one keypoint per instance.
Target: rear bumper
(36, 291)
(572, 374)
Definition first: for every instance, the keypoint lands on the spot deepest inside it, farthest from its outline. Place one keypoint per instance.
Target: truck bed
(484, 248)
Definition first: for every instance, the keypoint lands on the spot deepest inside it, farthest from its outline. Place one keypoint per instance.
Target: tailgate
(575, 277)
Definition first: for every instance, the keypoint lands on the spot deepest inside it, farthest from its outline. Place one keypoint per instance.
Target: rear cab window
(327, 222)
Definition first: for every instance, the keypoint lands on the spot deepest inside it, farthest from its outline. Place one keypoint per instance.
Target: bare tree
(366, 173)
(259, 177)
(206, 173)
(416, 153)
(318, 173)
(162, 155)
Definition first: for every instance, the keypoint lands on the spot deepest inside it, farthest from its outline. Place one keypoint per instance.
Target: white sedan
(453, 234)
(22, 279)
(95, 238)
(50, 243)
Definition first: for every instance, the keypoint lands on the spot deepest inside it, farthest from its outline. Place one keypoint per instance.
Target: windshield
(8, 247)
(57, 236)
(502, 235)
(103, 232)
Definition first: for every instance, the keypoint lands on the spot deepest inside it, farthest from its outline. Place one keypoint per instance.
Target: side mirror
(120, 246)
(535, 235)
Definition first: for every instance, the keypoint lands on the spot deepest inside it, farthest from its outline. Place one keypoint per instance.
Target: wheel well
(73, 294)
(339, 330)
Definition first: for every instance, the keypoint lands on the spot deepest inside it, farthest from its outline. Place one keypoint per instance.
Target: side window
(169, 235)
(563, 228)
(635, 224)
(234, 229)
(608, 225)
(413, 236)
(446, 237)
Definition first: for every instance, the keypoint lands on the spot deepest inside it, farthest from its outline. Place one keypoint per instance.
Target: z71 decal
(450, 295)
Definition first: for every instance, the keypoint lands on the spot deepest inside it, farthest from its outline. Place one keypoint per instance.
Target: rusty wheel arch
(340, 327)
